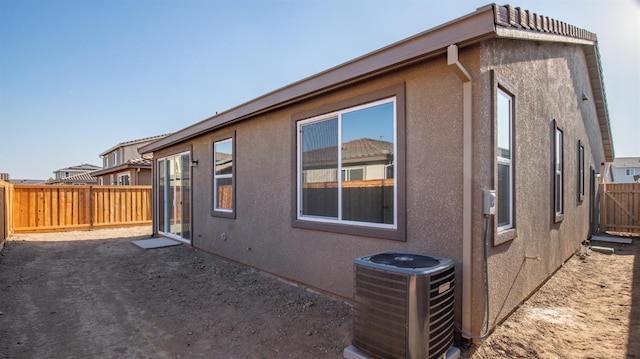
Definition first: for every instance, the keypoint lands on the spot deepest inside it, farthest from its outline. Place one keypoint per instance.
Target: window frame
(507, 233)
(558, 169)
(630, 172)
(224, 212)
(398, 231)
(122, 175)
(581, 172)
(329, 117)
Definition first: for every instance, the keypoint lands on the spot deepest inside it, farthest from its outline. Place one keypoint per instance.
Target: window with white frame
(504, 159)
(124, 179)
(344, 159)
(630, 171)
(558, 193)
(223, 176)
(581, 181)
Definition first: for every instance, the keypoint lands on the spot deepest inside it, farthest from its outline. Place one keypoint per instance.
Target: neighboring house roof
(140, 162)
(627, 162)
(79, 178)
(358, 150)
(366, 148)
(80, 167)
(133, 142)
(490, 21)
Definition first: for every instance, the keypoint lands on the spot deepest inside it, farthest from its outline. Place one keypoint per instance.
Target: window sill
(223, 214)
(505, 236)
(558, 217)
(384, 233)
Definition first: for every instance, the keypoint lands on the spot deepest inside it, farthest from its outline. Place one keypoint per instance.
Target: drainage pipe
(467, 181)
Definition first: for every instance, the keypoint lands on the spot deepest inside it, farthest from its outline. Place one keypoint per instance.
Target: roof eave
(118, 168)
(463, 31)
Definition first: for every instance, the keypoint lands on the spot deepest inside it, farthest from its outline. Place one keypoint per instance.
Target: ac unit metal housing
(403, 305)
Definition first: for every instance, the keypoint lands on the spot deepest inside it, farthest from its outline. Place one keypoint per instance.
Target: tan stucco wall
(547, 87)
(549, 80)
(262, 235)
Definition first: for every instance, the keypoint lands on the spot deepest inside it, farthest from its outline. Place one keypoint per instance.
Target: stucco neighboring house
(123, 165)
(624, 170)
(63, 173)
(500, 99)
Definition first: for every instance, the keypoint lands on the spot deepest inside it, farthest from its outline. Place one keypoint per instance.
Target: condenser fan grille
(405, 260)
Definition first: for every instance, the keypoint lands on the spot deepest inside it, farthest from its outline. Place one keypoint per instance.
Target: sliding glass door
(174, 194)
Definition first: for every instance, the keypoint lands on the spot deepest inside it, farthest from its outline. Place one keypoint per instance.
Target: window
(558, 192)
(581, 182)
(504, 159)
(223, 177)
(629, 171)
(345, 166)
(123, 179)
(115, 158)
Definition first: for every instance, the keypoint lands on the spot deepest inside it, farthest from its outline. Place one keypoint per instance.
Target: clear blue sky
(78, 77)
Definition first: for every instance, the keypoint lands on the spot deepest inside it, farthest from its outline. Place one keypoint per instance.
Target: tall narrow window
(580, 171)
(223, 176)
(346, 166)
(559, 174)
(504, 159)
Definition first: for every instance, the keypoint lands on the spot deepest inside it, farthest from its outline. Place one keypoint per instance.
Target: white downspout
(467, 181)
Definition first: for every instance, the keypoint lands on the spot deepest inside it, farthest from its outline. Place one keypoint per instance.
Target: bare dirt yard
(96, 295)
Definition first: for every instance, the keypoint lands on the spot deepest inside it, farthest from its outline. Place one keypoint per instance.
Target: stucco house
(500, 99)
(62, 173)
(122, 165)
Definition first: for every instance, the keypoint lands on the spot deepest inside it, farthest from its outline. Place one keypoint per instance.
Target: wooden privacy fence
(620, 207)
(49, 208)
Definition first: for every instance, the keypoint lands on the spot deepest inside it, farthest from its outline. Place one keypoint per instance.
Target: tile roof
(139, 162)
(365, 149)
(80, 167)
(515, 17)
(79, 178)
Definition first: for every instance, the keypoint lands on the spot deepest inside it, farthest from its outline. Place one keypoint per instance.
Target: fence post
(91, 209)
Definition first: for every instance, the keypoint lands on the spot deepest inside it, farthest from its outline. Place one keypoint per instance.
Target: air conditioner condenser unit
(403, 305)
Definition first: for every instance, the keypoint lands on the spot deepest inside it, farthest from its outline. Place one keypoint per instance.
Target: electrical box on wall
(489, 202)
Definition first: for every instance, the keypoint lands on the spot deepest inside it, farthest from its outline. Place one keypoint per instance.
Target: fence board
(620, 207)
(46, 208)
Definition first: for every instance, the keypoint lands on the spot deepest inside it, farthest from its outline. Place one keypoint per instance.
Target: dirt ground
(96, 295)
(590, 308)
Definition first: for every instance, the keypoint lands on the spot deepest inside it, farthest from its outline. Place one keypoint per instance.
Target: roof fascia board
(463, 31)
(130, 143)
(592, 56)
(119, 167)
